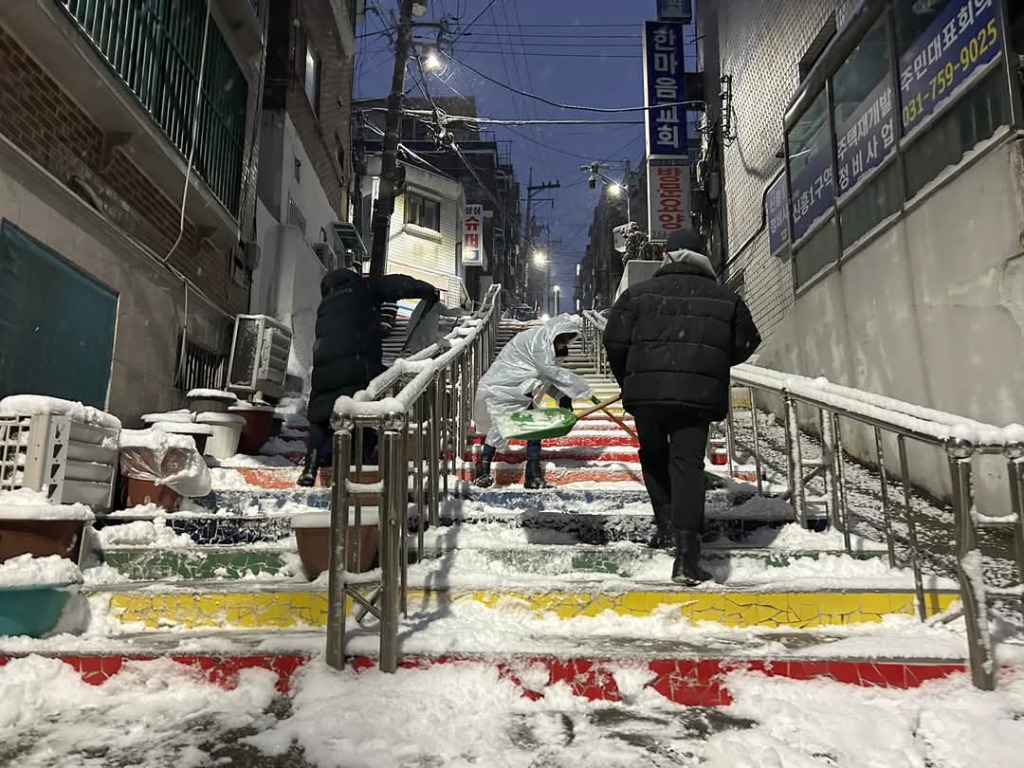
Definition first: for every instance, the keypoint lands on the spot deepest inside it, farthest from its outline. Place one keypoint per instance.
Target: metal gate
(56, 324)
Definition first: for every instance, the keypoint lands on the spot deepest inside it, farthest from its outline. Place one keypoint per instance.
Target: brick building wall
(47, 124)
(759, 43)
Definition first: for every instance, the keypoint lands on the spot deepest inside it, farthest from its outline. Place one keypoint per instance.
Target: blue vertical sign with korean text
(959, 42)
(867, 137)
(776, 202)
(664, 89)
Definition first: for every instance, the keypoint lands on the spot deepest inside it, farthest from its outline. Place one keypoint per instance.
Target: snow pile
(33, 405)
(143, 533)
(151, 715)
(26, 504)
(28, 571)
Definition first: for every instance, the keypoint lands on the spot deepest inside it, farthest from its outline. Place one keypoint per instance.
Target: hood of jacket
(698, 261)
(334, 281)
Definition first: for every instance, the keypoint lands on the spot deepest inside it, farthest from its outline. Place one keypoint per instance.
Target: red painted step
(688, 682)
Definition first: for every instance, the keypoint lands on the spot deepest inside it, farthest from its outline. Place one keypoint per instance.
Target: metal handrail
(421, 408)
(959, 437)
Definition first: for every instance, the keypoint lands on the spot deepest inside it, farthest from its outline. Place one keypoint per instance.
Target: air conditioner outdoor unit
(327, 256)
(259, 356)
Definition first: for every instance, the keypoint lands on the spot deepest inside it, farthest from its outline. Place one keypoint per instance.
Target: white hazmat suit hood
(524, 371)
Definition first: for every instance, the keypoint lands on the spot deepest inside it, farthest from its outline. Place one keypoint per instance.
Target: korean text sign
(961, 40)
(664, 89)
(777, 214)
(867, 137)
(812, 190)
(668, 194)
(472, 236)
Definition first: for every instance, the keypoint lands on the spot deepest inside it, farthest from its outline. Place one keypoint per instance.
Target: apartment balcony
(134, 68)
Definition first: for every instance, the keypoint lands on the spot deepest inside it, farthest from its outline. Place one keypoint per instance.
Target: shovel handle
(599, 407)
(622, 424)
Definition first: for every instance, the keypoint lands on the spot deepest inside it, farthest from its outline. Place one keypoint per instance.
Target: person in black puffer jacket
(671, 342)
(348, 353)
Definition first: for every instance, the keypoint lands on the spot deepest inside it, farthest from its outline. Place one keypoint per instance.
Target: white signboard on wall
(668, 199)
(473, 236)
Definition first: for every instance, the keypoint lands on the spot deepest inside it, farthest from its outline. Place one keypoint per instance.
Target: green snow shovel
(547, 423)
(543, 423)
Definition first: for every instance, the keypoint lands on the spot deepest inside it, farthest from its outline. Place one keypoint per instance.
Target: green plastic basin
(32, 610)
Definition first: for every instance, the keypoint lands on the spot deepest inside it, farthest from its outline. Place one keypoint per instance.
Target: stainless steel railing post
(336, 597)
(886, 513)
(915, 552)
(395, 490)
(794, 460)
(968, 566)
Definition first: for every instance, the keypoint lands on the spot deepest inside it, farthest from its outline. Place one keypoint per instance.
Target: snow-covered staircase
(558, 581)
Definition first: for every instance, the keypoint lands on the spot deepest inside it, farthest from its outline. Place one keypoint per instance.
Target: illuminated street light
(540, 258)
(432, 62)
(614, 190)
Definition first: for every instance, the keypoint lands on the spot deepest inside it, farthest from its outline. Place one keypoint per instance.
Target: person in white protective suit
(526, 369)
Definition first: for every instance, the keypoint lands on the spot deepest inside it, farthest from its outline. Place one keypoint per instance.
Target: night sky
(583, 52)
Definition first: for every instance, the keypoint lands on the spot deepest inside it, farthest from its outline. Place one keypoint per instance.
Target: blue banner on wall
(867, 138)
(663, 86)
(776, 202)
(812, 190)
(959, 42)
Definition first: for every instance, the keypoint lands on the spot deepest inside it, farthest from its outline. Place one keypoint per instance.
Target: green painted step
(146, 564)
(139, 564)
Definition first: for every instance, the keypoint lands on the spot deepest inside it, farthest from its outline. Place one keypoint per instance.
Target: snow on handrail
(925, 423)
(423, 369)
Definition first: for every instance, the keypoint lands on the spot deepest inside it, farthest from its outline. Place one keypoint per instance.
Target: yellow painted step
(284, 608)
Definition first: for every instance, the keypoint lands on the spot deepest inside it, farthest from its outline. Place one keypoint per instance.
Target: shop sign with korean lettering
(472, 236)
(663, 89)
(867, 138)
(776, 203)
(960, 41)
(812, 190)
(668, 188)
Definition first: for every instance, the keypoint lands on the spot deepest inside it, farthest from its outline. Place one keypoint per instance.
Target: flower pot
(32, 610)
(210, 401)
(313, 538)
(41, 538)
(139, 492)
(259, 422)
(227, 430)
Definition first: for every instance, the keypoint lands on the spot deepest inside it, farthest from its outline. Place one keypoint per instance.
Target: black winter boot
(662, 537)
(309, 469)
(535, 476)
(686, 568)
(482, 476)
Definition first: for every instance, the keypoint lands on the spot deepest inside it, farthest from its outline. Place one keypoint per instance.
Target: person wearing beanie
(671, 342)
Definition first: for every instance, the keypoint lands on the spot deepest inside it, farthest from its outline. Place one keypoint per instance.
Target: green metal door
(56, 324)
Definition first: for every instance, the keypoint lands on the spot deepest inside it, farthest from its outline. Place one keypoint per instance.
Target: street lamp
(540, 258)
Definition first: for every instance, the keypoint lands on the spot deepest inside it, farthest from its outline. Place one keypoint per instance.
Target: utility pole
(530, 189)
(385, 206)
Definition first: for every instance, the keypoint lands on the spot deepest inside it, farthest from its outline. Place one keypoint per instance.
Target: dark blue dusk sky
(512, 42)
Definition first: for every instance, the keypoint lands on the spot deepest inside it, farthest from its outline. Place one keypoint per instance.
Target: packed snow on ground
(143, 533)
(156, 714)
(26, 571)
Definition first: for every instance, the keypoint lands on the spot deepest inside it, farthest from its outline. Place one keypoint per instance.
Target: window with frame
(310, 71)
(422, 211)
(809, 161)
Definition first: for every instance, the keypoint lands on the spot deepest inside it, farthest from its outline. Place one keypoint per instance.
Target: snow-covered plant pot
(313, 538)
(31, 525)
(227, 430)
(33, 593)
(210, 401)
(139, 491)
(259, 422)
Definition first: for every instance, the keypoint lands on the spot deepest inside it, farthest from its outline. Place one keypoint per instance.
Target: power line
(474, 21)
(591, 56)
(575, 107)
